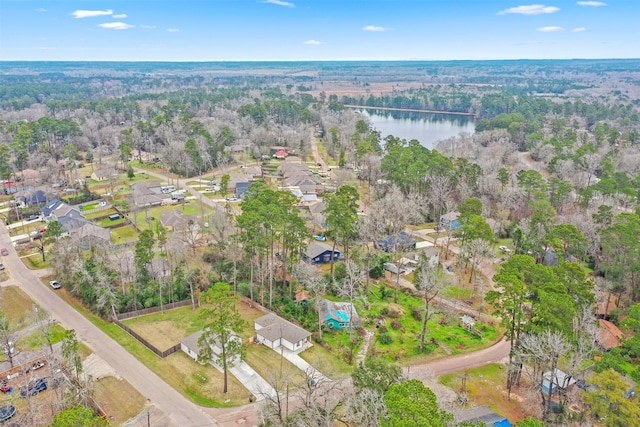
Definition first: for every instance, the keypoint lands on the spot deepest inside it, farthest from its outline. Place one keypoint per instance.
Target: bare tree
(315, 283)
(429, 285)
(351, 288)
(542, 352)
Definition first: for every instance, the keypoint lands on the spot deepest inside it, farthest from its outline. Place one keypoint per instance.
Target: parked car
(232, 199)
(1, 266)
(7, 412)
(54, 284)
(34, 388)
(505, 249)
(320, 238)
(32, 217)
(4, 251)
(37, 365)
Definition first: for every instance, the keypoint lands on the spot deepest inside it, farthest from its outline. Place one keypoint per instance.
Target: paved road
(496, 353)
(182, 412)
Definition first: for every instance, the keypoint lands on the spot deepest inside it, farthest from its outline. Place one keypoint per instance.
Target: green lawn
(36, 339)
(443, 336)
(124, 234)
(325, 362)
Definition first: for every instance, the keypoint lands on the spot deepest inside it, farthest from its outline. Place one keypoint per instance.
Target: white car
(54, 284)
(505, 249)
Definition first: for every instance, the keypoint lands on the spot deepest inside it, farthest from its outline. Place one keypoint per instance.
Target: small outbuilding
(556, 380)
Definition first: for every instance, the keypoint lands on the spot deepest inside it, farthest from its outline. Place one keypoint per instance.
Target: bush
(385, 339)
(416, 313)
(384, 311)
(395, 325)
(383, 329)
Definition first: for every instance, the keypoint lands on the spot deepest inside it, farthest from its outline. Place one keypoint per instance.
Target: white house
(274, 331)
(191, 346)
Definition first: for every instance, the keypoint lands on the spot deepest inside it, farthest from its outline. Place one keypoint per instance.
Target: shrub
(395, 325)
(384, 311)
(383, 329)
(385, 339)
(416, 313)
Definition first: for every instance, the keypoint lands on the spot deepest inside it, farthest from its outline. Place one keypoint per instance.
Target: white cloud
(173, 30)
(591, 3)
(91, 13)
(579, 30)
(41, 10)
(115, 26)
(120, 16)
(375, 28)
(550, 29)
(147, 26)
(313, 42)
(280, 3)
(532, 9)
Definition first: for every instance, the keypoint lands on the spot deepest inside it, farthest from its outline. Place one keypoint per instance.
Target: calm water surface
(428, 128)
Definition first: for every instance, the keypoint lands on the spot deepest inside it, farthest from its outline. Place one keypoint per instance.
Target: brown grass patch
(118, 399)
(17, 306)
(162, 334)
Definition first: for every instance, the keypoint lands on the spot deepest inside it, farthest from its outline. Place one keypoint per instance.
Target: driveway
(301, 364)
(181, 411)
(257, 385)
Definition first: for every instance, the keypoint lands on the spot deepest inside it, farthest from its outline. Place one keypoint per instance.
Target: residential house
(320, 253)
(103, 174)
(450, 221)
(336, 314)
(399, 242)
(254, 171)
(241, 189)
(31, 197)
(57, 210)
(481, 414)
(147, 187)
(235, 179)
(274, 331)
(280, 154)
(89, 234)
(159, 268)
(191, 345)
(609, 335)
(174, 220)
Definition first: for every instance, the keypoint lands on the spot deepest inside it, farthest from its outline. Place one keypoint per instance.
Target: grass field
(124, 234)
(444, 336)
(325, 362)
(268, 363)
(17, 306)
(487, 386)
(119, 399)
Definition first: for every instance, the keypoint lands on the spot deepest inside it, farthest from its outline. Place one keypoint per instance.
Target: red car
(4, 252)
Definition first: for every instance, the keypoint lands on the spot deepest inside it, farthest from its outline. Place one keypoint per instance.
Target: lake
(428, 128)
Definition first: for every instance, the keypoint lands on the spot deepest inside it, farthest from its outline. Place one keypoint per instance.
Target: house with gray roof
(191, 345)
(320, 253)
(339, 314)
(90, 235)
(274, 331)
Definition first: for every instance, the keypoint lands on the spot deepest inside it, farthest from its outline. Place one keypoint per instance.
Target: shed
(274, 331)
(320, 253)
(556, 380)
(336, 314)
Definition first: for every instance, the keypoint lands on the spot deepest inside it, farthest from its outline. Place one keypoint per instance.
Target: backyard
(487, 386)
(397, 327)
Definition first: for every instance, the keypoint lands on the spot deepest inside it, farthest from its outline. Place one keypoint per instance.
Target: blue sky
(255, 30)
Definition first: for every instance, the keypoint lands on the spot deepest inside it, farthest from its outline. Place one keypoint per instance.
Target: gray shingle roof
(274, 327)
(314, 249)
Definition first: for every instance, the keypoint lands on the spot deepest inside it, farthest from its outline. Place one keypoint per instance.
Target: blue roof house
(336, 314)
(320, 253)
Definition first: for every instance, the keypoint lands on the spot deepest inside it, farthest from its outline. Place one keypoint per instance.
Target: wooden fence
(138, 313)
(158, 352)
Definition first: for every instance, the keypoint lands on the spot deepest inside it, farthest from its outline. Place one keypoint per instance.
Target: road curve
(181, 411)
(496, 353)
